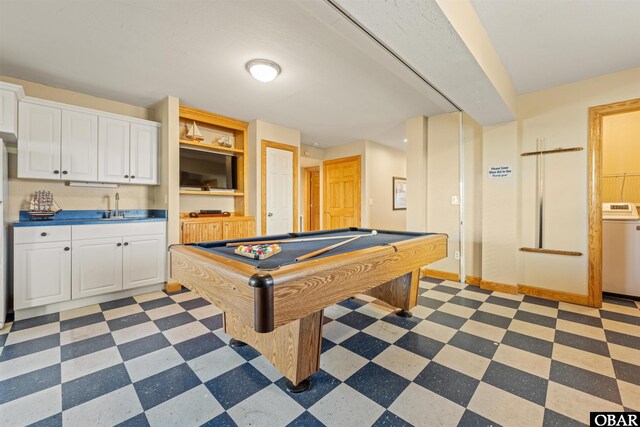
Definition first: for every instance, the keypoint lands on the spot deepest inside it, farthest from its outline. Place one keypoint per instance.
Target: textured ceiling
(543, 44)
(332, 87)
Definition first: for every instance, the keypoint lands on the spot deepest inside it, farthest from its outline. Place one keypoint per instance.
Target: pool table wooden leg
(294, 348)
(401, 292)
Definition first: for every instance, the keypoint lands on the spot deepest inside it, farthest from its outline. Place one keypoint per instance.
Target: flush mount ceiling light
(263, 70)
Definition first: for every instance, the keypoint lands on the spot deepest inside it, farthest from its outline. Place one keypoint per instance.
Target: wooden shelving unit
(238, 225)
(212, 126)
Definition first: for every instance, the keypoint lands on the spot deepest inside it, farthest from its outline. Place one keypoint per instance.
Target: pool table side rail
(302, 289)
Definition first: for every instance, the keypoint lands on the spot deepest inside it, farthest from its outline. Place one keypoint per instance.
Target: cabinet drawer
(97, 231)
(41, 234)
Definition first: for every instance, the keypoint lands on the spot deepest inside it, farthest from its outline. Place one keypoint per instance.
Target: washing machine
(621, 249)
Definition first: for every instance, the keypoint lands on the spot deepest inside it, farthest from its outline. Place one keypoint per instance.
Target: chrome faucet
(117, 213)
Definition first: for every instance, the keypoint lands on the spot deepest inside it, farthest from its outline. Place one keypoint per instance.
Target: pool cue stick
(328, 248)
(294, 240)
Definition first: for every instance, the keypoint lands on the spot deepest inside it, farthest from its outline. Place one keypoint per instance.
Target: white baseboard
(27, 313)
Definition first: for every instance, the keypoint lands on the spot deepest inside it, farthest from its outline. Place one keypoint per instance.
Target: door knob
(270, 214)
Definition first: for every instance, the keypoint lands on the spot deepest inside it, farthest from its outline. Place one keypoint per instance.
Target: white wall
(444, 182)
(473, 169)
(260, 130)
(382, 164)
(500, 204)
(20, 190)
(416, 165)
(560, 115)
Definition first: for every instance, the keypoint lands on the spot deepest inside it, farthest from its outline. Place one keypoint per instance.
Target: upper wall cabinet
(10, 94)
(113, 146)
(39, 143)
(59, 141)
(79, 146)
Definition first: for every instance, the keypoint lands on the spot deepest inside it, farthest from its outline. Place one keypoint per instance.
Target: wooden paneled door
(312, 198)
(279, 188)
(342, 192)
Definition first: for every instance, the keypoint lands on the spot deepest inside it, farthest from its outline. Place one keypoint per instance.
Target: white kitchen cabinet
(42, 273)
(113, 150)
(143, 259)
(64, 142)
(61, 263)
(39, 141)
(97, 267)
(79, 146)
(143, 154)
(10, 94)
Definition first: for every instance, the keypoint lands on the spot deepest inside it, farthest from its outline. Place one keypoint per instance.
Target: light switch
(370, 202)
(455, 200)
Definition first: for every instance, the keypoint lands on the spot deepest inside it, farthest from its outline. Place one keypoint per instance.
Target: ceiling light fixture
(263, 70)
(405, 140)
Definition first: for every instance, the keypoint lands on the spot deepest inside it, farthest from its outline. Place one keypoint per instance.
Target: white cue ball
(374, 232)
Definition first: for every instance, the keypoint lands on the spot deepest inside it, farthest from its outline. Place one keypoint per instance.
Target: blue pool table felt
(290, 251)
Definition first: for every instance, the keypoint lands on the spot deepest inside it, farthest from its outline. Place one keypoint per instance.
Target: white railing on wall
(621, 187)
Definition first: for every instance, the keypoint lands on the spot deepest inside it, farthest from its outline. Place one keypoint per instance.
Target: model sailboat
(193, 134)
(42, 205)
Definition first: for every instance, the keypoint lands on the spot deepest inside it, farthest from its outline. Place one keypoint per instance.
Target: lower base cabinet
(42, 273)
(198, 230)
(97, 267)
(88, 260)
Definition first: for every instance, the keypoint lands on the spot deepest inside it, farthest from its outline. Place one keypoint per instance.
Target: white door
(143, 260)
(39, 142)
(42, 274)
(279, 175)
(97, 267)
(143, 158)
(113, 150)
(79, 152)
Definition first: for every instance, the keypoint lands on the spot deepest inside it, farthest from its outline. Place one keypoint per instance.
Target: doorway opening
(312, 198)
(595, 187)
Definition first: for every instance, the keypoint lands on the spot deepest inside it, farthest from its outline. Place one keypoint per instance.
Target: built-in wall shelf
(212, 127)
(209, 147)
(551, 251)
(210, 193)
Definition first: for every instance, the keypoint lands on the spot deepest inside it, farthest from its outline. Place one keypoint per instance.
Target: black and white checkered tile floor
(467, 357)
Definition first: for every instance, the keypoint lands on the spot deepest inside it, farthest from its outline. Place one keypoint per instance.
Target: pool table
(276, 305)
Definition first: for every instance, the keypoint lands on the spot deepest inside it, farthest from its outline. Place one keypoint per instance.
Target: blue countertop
(82, 217)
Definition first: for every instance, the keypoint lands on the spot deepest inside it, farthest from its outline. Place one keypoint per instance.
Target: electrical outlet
(370, 202)
(457, 255)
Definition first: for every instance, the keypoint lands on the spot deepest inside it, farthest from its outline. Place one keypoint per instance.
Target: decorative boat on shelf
(193, 133)
(42, 205)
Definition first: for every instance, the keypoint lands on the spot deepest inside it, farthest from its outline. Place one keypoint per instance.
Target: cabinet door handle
(133, 176)
(126, 243)
(44, 233)
(119, 244)
(64, 172)
(66, 248)
(56, 171)
(126, 176)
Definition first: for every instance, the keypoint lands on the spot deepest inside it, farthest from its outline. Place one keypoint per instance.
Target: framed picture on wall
(399, 193)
